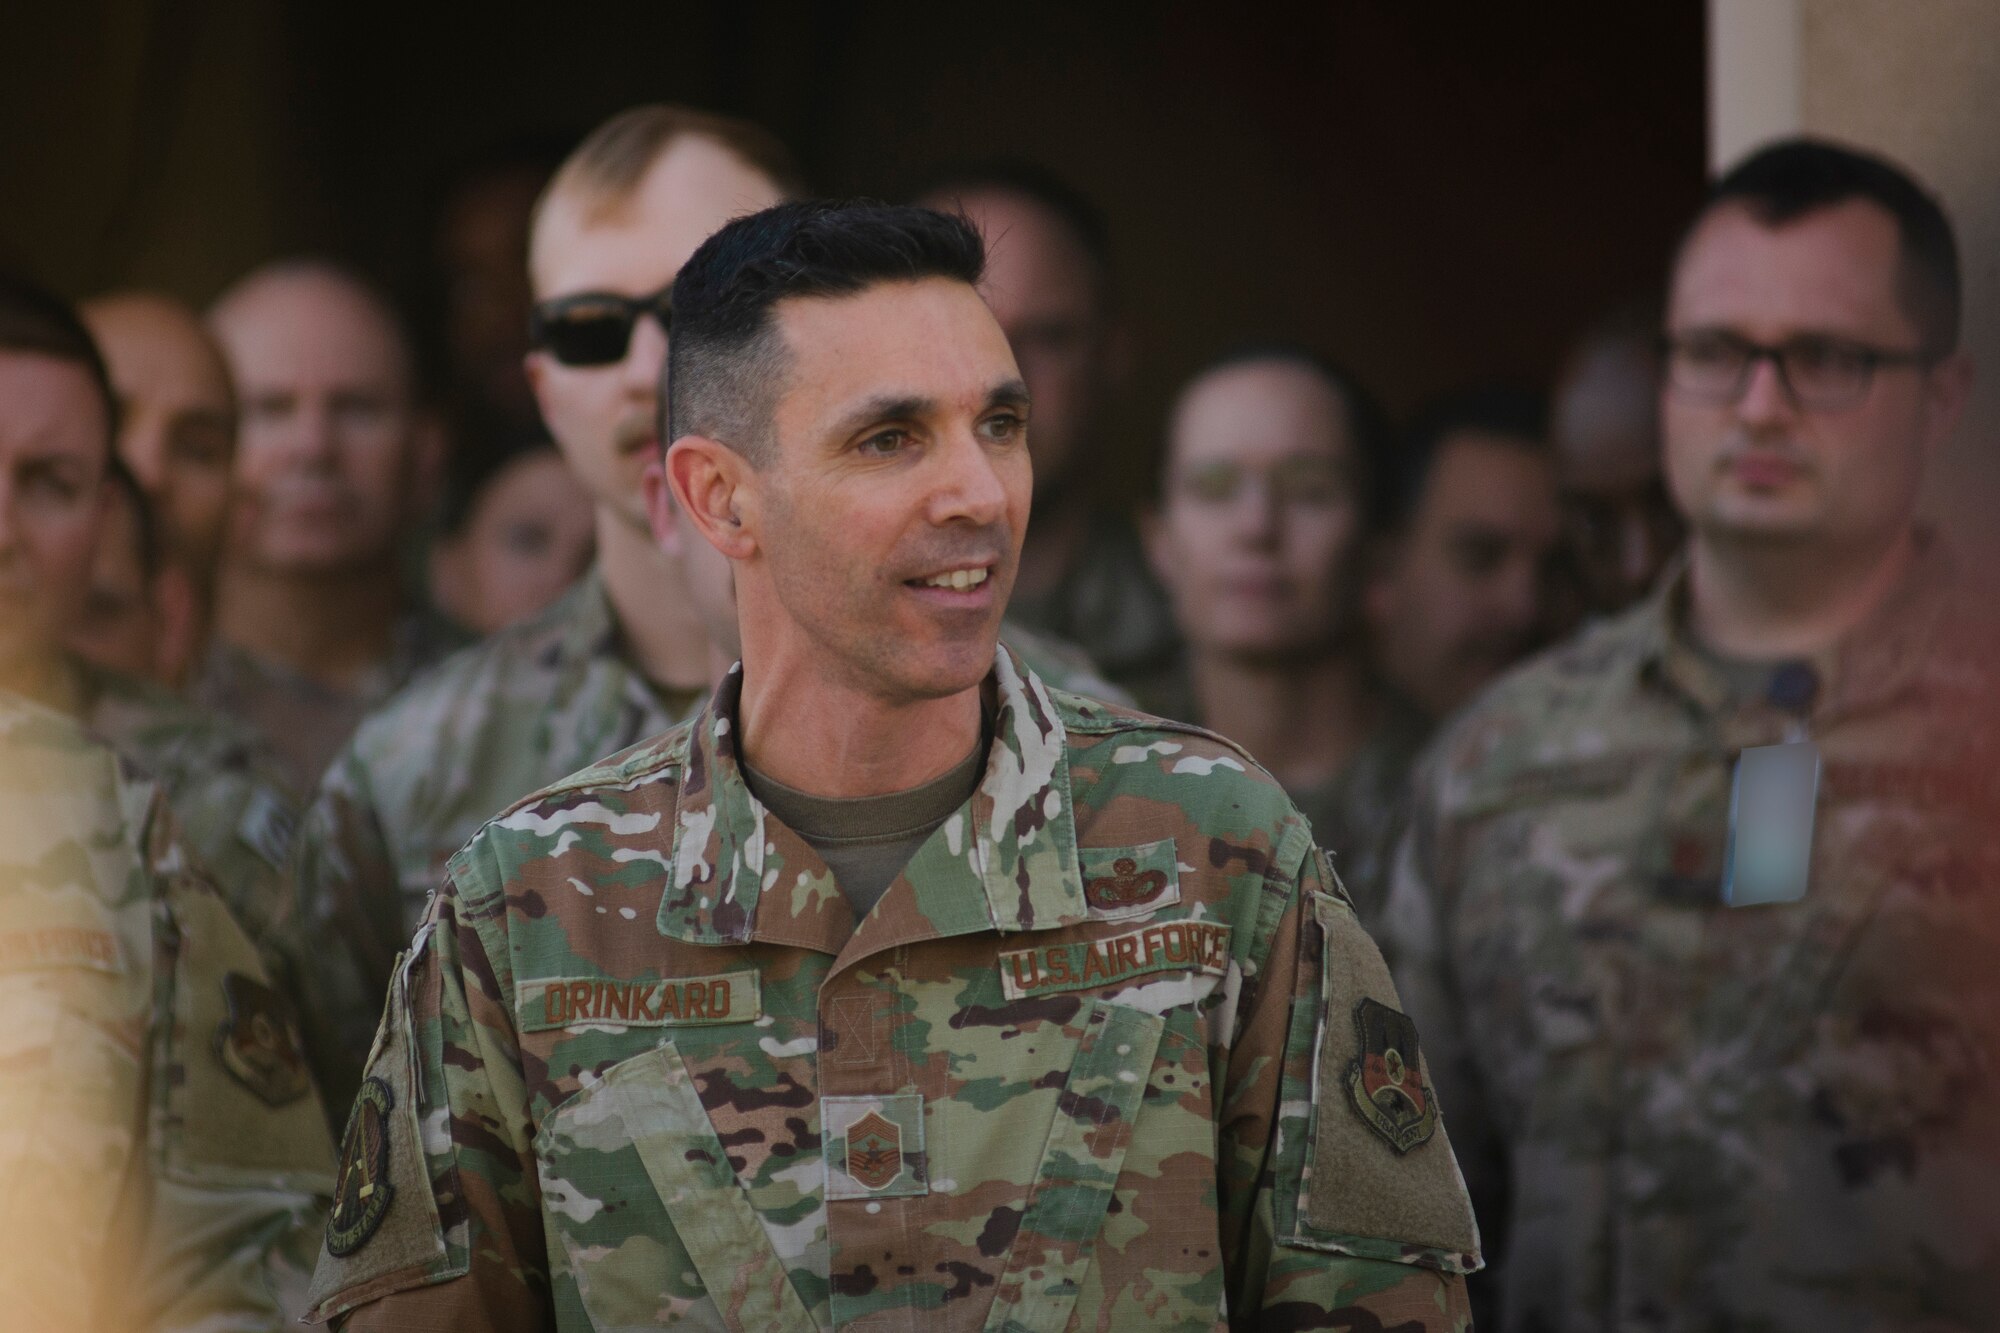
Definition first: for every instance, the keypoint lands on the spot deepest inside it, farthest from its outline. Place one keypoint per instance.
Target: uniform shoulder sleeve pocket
(238, 1107)
(392, 1195)
(1376, 1177)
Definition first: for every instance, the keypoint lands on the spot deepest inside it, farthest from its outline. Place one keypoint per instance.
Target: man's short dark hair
(34, 319)
(726, 359)
(1368, 427)
(1797, 177)
(1041, 187)
(1503, 412)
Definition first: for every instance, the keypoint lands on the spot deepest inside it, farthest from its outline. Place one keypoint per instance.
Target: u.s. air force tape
(1164, 946)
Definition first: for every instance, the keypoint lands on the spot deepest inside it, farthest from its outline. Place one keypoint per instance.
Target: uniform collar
(589, 626)
(1005, 860)
(1884, 656)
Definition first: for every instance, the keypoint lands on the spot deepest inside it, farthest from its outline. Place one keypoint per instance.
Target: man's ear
(713, 486)
(1948, 386)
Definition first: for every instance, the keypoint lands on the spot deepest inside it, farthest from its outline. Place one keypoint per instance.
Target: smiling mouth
(958, 580)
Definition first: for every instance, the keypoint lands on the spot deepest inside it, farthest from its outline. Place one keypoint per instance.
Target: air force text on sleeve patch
(1385, 1083)
(362, 1192)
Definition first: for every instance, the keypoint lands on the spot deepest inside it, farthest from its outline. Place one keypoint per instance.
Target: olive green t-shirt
(867, 840)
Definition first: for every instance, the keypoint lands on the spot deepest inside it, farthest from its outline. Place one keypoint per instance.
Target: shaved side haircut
(726, 360)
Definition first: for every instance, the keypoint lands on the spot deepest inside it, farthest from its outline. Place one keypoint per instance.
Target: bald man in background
(1618, 520)
(313, 625)
(177, 435)
(1084, 578)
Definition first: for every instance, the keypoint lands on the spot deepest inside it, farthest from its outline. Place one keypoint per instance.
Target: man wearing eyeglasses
(1701, 901)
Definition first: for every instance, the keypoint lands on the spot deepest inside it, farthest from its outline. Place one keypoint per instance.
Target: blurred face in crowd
(1048, 296)
(1467, 588)
(1759, 466)
(483, 251)
(120, 625)
(603, 417)
(54, 443)
(1258, 533)
(177, 417)
(328, 440)
(1620, 524)
(878, 541)
(528, 536)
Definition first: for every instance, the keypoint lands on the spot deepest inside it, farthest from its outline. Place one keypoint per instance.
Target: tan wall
(1918, 80)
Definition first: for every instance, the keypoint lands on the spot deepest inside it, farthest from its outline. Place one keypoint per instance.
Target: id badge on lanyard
(1771, 806)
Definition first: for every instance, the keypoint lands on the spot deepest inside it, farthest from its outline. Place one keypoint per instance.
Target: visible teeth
(959, 579)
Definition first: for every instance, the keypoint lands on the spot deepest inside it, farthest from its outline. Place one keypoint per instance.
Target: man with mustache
(1464, 585)
(312, 626)
(896, 987)
(1700, 905)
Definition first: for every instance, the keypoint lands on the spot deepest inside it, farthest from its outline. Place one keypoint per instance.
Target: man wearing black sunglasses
(1710, 887)
(623, 655)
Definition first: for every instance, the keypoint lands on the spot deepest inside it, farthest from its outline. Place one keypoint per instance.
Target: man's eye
(1004, 427)
(883, 443)
(526, 539)
(201, 445)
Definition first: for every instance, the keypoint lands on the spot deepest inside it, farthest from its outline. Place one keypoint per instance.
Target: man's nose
(971, 489)
(1514, 597)
(1765, 399)
(645, 358)
(1257, 512)
(144, 449)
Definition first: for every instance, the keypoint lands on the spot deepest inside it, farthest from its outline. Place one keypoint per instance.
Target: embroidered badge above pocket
(874, 1146)
(1124, 882)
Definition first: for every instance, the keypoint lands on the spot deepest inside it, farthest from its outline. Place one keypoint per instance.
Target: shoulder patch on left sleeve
(1380, 1181)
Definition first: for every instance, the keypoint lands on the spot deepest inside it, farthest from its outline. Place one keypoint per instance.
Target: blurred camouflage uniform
(1086, 1064)
(1360, 812)
(528, 706)
(1108, 604)
(221, 778)
(1757, 1118)
(308, 722)
(163, 1159)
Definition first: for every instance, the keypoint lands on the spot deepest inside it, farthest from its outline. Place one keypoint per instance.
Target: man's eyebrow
(1008, 393)
(883, 407)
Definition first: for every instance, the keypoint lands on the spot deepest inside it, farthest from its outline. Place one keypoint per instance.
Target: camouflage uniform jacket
(1084, 1065)
(222, 780)
(1703, 1117)
(464, 741)
(163, 1159)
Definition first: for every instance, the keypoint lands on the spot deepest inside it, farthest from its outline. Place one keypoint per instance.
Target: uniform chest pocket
(648, 1224)
(1133, 1115)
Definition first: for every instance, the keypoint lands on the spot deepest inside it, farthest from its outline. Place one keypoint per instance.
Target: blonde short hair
(607, 167)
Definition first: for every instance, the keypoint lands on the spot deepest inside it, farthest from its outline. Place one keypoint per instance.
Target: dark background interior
(1434, 195)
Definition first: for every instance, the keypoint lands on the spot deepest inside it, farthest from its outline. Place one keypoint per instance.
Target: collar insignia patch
(1385, 1083)
(362, 1192)
(258, 1043)
(874, 1151)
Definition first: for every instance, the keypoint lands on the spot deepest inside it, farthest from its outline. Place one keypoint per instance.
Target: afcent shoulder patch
(258, 1042)
(1385, 1083)
(362, 1192)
